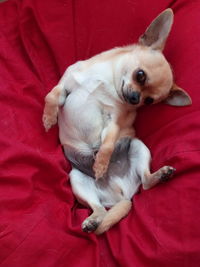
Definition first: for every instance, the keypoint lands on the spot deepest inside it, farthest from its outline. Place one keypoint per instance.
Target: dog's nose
(134, 98)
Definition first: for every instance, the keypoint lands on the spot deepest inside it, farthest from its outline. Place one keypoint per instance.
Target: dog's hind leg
(85, 191)
(162, 175)
(114, 215)
(140, 155)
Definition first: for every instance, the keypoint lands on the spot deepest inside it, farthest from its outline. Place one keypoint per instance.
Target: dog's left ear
(156, 34)
(178, 97)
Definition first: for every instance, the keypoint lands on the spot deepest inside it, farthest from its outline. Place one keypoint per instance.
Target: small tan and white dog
(96, 102)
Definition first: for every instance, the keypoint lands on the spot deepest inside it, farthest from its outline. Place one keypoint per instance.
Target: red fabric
(39, 216)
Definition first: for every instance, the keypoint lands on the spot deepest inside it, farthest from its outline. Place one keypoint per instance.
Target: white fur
(93, 107)
(103, 192)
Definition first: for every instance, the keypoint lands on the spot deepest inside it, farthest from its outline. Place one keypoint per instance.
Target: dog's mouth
(122, 90)
(130, 96)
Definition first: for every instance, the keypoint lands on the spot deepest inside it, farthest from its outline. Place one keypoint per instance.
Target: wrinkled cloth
(40, 219)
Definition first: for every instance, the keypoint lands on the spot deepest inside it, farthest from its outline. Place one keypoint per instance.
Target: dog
(95, 103)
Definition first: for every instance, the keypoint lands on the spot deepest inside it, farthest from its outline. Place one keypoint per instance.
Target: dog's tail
(114, 215)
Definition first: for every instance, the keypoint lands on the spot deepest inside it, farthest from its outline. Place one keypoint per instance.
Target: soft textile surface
(39, 216)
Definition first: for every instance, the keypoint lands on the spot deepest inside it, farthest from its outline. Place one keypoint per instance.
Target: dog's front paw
(100, 165)
(49, 119)
(99, 170)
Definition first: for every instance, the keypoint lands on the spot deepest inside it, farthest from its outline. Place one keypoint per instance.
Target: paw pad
(89, 226)
(167, 173)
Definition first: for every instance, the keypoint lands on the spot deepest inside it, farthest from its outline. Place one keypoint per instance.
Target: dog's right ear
(178, 97)
(156, 34)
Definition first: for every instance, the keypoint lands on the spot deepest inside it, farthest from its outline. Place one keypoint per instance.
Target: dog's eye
(148, 101)
(141, 77)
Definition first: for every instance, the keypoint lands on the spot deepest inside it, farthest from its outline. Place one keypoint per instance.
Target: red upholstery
(39, 216)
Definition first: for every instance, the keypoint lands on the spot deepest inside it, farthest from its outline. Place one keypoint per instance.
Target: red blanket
(39, 216)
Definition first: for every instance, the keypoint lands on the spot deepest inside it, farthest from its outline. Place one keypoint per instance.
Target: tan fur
(108, 81)
(122, 128)
(106, 149)
(109, 55)
(150, 180)
(51, 107)
(114, 215)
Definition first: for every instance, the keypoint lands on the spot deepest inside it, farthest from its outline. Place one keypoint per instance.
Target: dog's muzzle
(132, 97)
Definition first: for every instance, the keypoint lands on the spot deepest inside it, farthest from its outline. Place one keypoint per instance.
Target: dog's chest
(126, 117)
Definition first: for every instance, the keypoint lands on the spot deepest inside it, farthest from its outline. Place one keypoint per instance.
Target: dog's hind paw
(160, 176)
(166, 173)
(90, 225)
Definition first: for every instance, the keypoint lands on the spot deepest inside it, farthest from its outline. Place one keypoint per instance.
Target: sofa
(40, 219)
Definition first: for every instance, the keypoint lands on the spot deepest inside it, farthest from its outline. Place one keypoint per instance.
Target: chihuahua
(95, 103)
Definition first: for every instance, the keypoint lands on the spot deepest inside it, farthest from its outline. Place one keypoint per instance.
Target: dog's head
(146, 76)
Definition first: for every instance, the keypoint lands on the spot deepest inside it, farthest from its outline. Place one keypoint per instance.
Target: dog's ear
(178, 97)
(156, 34)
